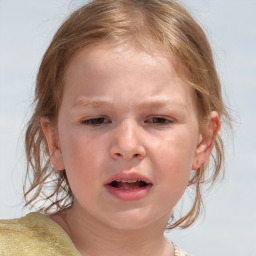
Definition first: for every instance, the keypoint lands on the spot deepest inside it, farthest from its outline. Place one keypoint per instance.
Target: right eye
(95, 121)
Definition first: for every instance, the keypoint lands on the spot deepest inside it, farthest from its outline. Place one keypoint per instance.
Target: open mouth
(128, 184)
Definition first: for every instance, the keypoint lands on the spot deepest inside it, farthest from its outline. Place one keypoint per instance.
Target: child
(127, 111)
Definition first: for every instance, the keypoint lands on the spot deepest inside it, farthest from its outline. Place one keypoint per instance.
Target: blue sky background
(229, 225)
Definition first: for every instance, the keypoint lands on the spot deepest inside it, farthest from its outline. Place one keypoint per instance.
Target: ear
(206, 140)
(53, 143)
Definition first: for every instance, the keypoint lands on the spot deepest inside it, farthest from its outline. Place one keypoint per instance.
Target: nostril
(118, 152)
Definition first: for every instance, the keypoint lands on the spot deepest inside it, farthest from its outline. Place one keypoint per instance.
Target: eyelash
(95, 121)
(161, 121)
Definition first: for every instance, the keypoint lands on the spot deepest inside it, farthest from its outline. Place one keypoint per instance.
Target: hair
(151, 24)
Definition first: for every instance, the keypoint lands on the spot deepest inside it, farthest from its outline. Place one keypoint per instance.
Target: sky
(228, 225)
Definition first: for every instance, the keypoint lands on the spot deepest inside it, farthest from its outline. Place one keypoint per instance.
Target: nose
(127, 143)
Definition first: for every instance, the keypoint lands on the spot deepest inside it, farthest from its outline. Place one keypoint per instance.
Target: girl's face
(127, 136)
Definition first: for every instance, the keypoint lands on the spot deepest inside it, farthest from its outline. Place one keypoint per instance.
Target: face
(127, 136)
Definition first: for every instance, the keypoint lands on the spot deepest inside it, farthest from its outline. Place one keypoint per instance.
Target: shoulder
(179, 252)
(34, 234)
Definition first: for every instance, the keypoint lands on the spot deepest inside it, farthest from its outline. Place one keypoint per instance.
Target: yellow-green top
(36, 234)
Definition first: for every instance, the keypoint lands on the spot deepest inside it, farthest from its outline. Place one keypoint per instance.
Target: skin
(124, 110)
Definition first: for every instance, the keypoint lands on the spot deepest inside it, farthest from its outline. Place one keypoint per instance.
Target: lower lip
(129, 194)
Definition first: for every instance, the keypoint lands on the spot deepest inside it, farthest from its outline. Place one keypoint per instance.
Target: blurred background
(228, 226)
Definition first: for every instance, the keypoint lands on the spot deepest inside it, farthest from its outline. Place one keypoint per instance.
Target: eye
(96, 121)
(159, 121)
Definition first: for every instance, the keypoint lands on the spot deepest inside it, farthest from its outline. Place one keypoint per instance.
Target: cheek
(173, 159)
(174, 178)
(176, 151)
(176, 171)
(81, 157)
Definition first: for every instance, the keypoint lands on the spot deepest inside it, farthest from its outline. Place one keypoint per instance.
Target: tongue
(126, 185)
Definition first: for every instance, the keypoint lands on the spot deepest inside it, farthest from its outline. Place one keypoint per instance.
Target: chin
(135, 220)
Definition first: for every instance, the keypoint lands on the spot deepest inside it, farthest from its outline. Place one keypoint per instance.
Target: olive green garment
(36, 234)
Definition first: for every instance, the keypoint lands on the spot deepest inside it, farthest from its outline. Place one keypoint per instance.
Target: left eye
(95, 121)
(159, 120)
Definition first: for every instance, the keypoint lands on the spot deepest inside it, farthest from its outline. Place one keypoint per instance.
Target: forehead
(128, 66)
(106, 55)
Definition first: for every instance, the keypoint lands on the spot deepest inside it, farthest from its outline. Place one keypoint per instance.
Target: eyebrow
(90, 102)
(155, 102)
(162, 102)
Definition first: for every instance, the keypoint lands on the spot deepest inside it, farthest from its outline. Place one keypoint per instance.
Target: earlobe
(53, 143)
(206, 140)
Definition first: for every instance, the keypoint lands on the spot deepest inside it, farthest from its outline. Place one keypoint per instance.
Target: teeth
(130, 181)
(127, 181)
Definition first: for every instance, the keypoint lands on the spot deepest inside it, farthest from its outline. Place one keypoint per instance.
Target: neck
(96, 239)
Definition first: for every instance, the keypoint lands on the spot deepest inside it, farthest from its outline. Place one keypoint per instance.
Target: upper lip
(126, 176)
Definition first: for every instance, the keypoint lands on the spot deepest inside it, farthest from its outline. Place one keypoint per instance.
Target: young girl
(127, 112)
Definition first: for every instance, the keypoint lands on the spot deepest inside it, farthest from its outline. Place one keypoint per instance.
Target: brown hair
(150, 24)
